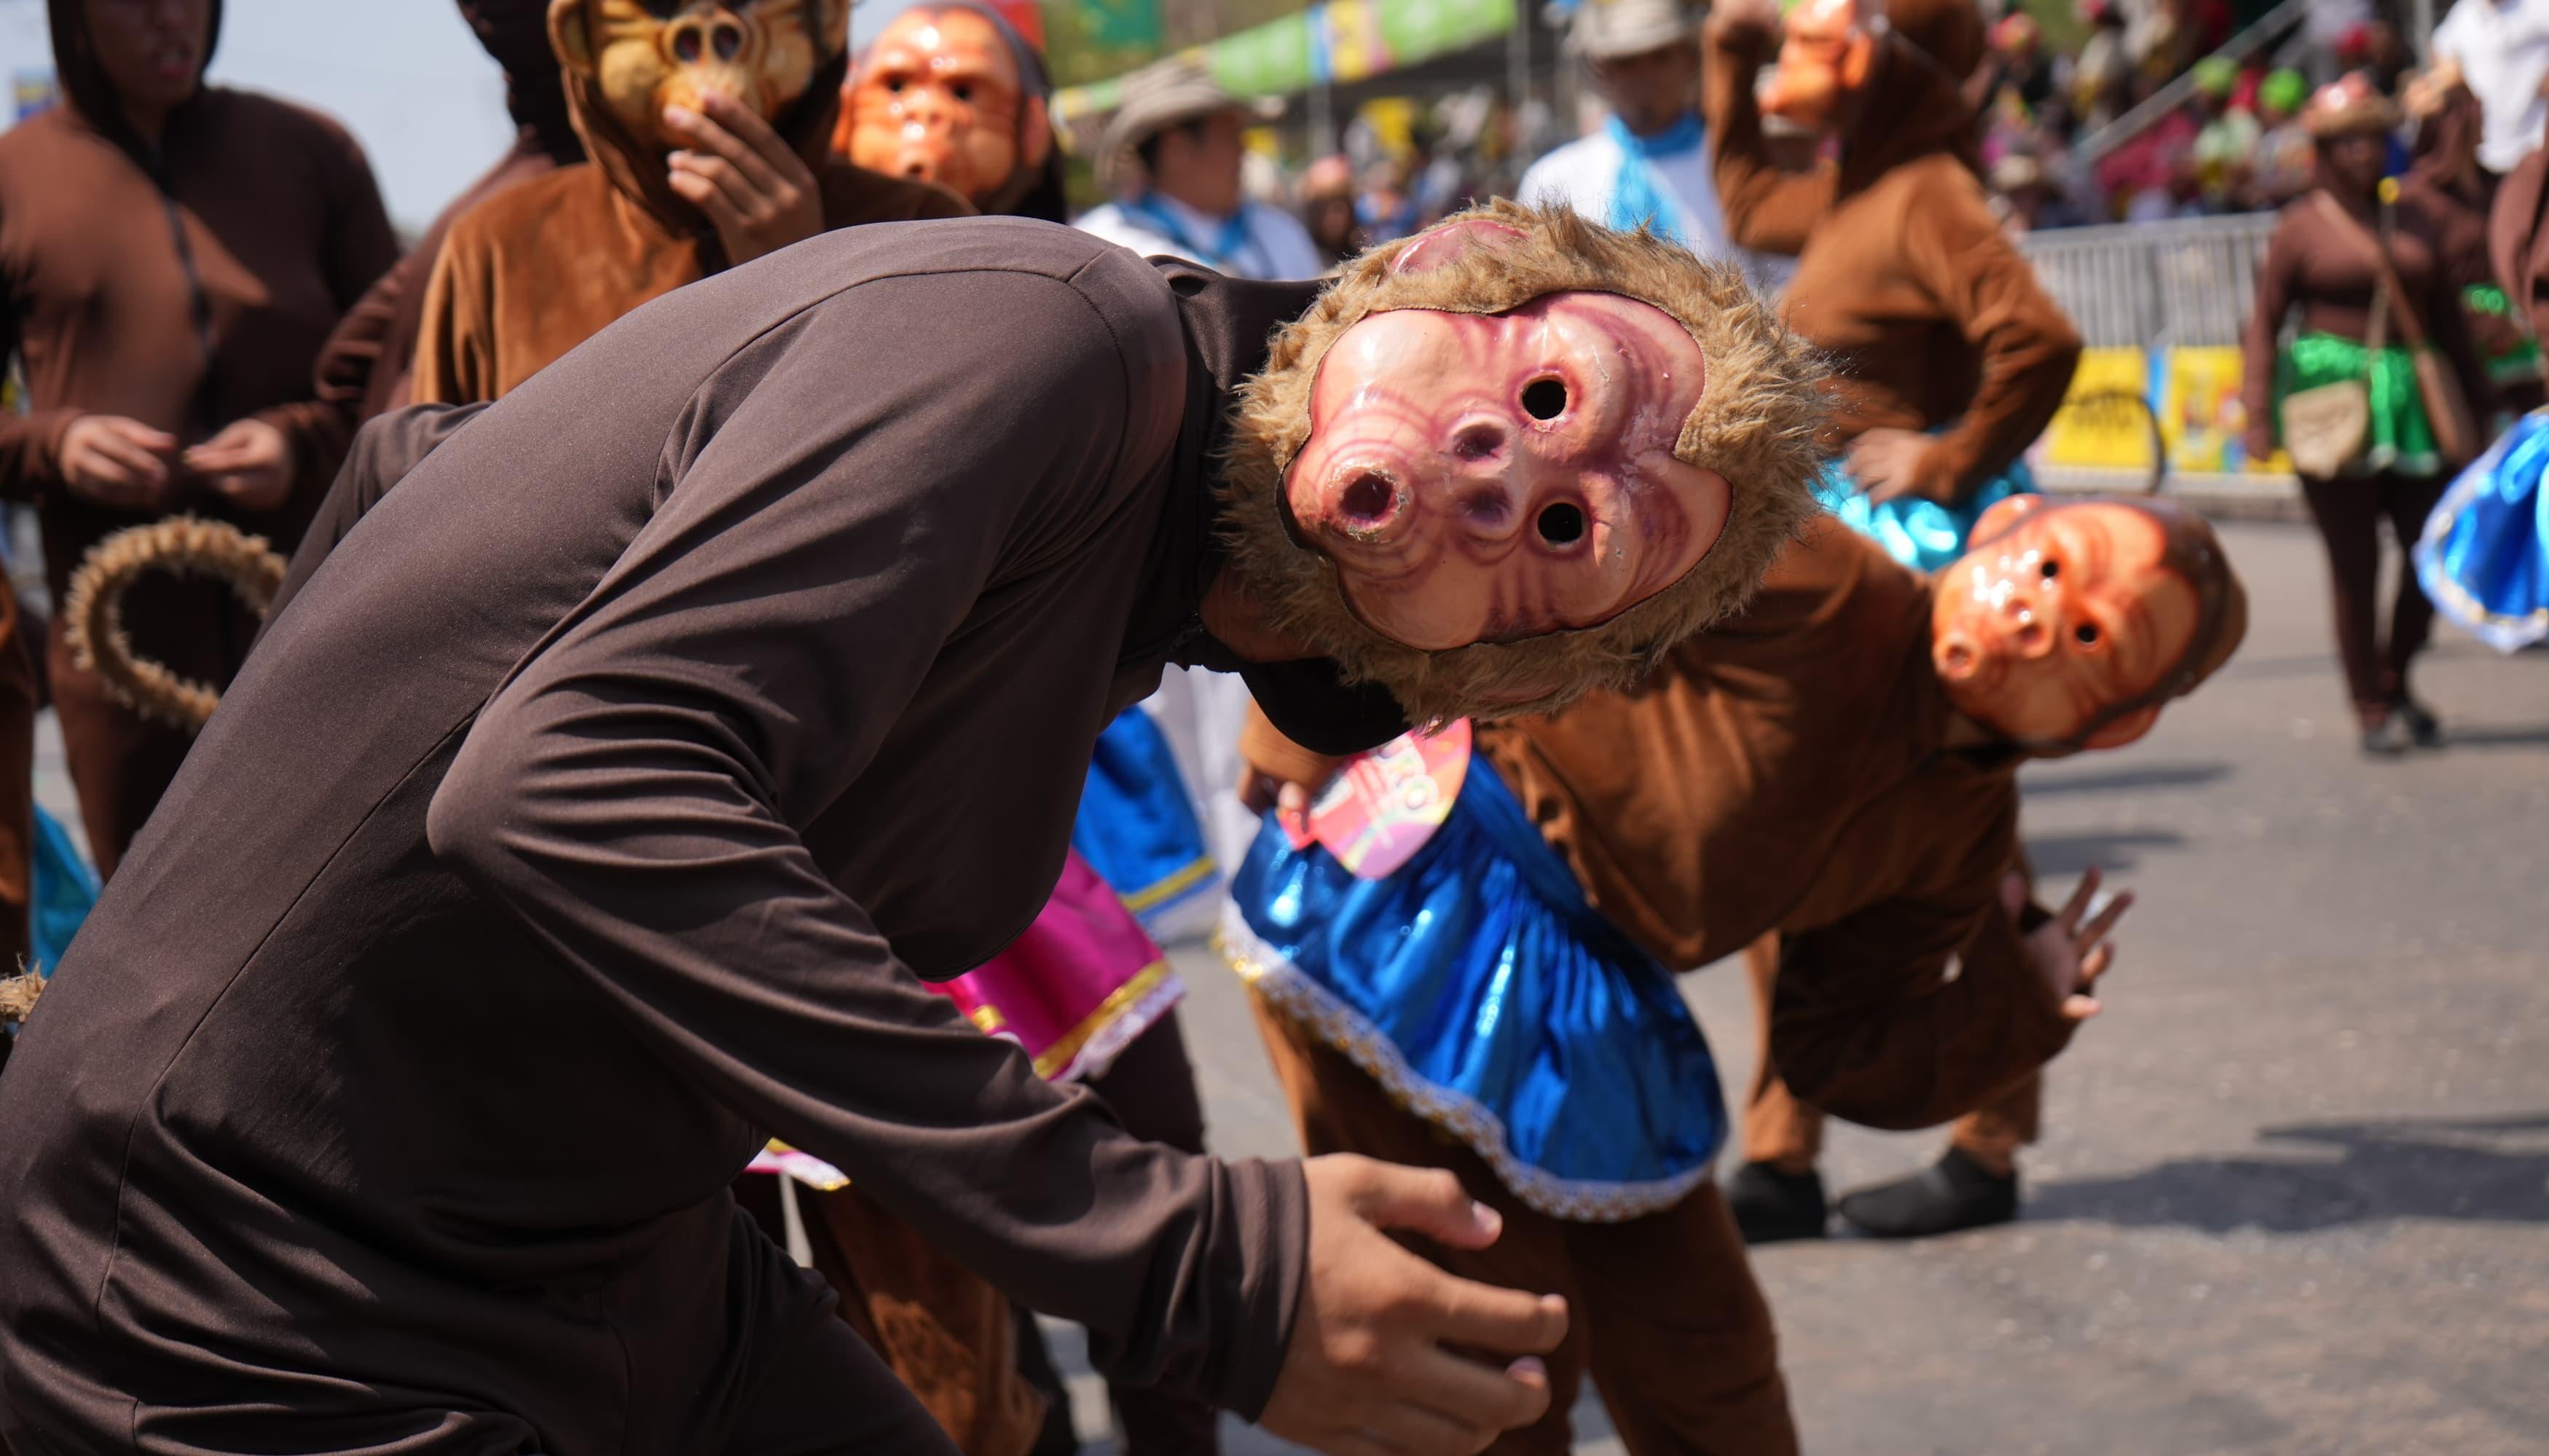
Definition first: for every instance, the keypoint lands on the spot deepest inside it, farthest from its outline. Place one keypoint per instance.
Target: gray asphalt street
(2292, 1197)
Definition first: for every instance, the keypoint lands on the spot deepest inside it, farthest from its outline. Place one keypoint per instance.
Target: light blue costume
(1921, 534)
(2484, 557)
(1484, 994)
(1137, 826)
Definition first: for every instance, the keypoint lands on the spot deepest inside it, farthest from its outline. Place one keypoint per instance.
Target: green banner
(1122, 23)
(1345, 40)
(1419, 30)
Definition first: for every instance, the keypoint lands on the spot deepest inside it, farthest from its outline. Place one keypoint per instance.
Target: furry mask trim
(1755, 424)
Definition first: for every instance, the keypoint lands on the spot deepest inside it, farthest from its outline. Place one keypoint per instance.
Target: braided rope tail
(181, 545)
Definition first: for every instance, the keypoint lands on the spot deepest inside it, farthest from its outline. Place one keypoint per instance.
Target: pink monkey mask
(1518, 455)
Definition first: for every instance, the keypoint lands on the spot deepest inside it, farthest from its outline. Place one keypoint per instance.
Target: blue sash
(1137, 828)
(2484, 557)
(1485, 995)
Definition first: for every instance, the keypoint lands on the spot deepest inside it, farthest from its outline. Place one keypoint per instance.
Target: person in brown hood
(2377, 307)
(171, 257)
(706, 132)
(366, 365)
(1483, 982)
(1951, 361)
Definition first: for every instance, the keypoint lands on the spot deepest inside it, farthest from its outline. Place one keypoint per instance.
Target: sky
(405, 75)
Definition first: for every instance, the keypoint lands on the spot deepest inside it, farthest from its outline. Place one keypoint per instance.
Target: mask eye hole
(964, 90)
(728, 41)
(1545, 399)
(893, 84)
(2086, 634)
(1562, 524)
(2052, 569)
(686, 44)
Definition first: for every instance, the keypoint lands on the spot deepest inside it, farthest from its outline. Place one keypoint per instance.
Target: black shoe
(1953, 1193)
(1770, 1206)
(2386, 738)
(2423, 730)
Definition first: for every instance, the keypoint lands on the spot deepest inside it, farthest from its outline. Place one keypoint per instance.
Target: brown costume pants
(2349, 513)
(951, 1336)
(1778, 1128)
(1665, 1313)
(946, 1333)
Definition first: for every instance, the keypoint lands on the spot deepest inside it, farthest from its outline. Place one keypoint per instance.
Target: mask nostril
(1479, 443)
(1489, 508)
(1562, 524)
(1366, 499)
(1545, 399)
(2086, 634)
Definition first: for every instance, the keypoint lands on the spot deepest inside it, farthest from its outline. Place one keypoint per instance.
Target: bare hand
(758, 194)
(249, 464)
(119, 463)
(1367, 1371)
(2068, 955)
(1887, 462)
(1260, 791)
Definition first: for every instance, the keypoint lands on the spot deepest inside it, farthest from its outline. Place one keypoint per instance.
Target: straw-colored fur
(17, 996)
(93, 609)
(1755, 424)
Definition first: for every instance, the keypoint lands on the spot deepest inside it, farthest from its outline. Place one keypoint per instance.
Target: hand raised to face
(647, 58)
(1482, 478)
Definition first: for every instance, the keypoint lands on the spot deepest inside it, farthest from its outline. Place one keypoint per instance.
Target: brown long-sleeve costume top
(364, 368)
(539, 268)
(1788, 771)
(187, 287)
(2326, 271)
(1933, 317)
(582, 822)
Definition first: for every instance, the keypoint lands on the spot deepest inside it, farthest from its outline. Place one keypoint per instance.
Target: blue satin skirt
(1921, 534)
(2484, 557)
(1137, 826)
(1482, 992)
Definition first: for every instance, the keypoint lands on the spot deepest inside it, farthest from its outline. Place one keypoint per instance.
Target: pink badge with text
(1382, 807)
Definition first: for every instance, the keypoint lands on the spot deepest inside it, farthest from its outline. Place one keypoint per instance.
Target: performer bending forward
(1838, 765)
(581, 821)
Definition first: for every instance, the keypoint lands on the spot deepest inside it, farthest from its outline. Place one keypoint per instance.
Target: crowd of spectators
(2233, 142)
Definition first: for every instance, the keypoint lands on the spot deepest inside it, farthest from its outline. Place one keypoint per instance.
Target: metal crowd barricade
(2154, 285)
(2161, 308)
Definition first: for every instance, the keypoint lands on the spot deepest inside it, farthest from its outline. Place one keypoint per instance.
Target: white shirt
(1582, 174)
(2504, 55)
(1270, 245)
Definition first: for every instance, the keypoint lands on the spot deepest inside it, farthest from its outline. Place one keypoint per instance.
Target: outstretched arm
(1767, 210)
(1867, 1026)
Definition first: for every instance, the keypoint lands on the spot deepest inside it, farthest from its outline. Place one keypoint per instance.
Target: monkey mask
(1825, 52)
(1518, 456)
(2069, 626)
(951, 94)
(644, 56)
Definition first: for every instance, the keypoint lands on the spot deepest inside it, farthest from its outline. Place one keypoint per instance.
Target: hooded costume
(187, 287)
(1494, 972)
(533, 272)
(1510, 984)
(575, 840)
(1934, 320)
(366, 366)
